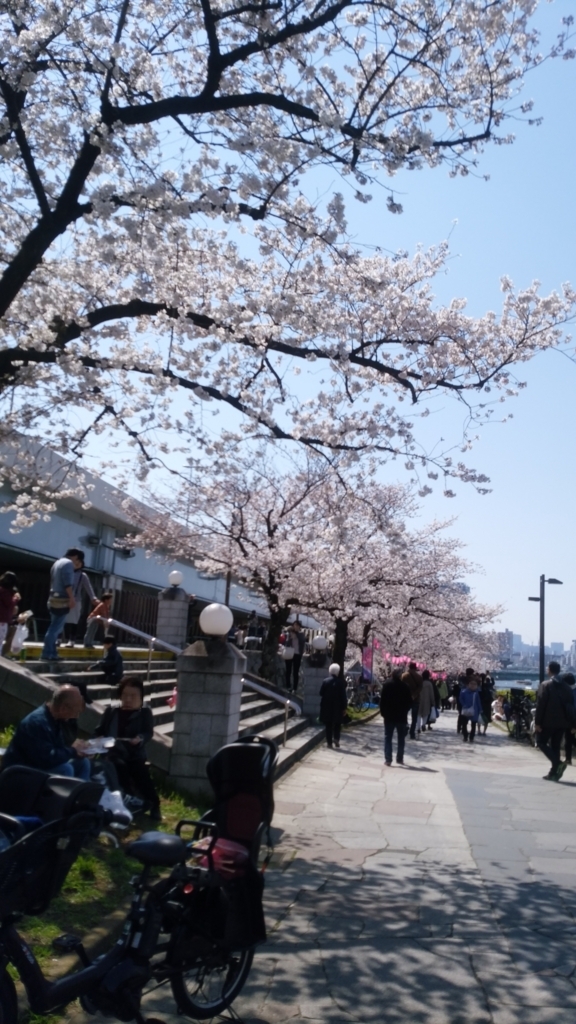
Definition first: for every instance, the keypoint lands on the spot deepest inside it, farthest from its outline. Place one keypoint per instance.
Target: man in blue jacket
(38, 741)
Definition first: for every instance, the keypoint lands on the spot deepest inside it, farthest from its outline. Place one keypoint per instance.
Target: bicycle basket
(33, 870)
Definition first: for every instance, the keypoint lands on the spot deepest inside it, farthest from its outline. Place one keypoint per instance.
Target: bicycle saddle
(158, 848)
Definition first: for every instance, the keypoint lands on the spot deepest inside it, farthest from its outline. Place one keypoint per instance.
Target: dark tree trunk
(276, 624)
(340, 642)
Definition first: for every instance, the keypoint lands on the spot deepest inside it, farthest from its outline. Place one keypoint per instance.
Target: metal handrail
(280, 700)
(145, 636)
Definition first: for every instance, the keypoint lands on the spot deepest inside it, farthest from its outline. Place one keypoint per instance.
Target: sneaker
(551, 777)
(337, 745)
(388, 763)
(561, 769)
(399, 762)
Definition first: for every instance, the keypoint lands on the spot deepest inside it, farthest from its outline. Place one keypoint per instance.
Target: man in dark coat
(555, 714)
(413, 680)
(395, 703)
(333, 704)
(39, 741)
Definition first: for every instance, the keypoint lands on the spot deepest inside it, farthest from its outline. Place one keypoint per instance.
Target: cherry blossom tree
(158, 239)
(314, 543)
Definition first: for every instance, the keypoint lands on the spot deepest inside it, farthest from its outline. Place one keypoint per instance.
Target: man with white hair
(333, 704)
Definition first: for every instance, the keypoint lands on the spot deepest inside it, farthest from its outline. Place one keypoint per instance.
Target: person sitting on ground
(102, 609)
(111, 664)
(131, 725)
(39, 742)
(333, 704)
(555, 714)
(395, 703)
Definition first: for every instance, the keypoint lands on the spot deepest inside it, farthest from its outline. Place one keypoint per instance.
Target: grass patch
(98, 882)
(355, 717)
(6, 735)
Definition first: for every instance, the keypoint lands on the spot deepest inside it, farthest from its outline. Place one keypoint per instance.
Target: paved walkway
(442, 891)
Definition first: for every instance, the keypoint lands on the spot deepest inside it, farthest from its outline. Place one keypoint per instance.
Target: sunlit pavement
(441, 891)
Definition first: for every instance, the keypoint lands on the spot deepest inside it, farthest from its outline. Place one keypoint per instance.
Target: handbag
(58, 604)
(287, 653)
(468, 712)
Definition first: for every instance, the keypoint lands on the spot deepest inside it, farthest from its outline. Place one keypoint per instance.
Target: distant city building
(505, 646)
(557, 648)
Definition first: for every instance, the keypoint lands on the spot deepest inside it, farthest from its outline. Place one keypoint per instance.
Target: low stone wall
(21, 691)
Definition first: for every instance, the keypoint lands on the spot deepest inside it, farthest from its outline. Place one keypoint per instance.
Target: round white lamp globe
(175, 578)
(319, 643)
(216, 620)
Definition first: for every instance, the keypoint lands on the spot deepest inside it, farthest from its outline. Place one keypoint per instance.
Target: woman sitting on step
(131, 725)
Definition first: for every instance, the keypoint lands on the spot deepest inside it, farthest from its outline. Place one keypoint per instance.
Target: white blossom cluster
(157, 237)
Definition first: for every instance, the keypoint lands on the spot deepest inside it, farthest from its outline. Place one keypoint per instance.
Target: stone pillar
(207, 713)
(172, 622)
(312, 676)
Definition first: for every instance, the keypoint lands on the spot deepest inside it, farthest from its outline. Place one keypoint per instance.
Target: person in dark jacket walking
(111, 664)
(395, 703)
(568, 677)
(413, 679)
(132, 726)
(555, 714)
(333, 704)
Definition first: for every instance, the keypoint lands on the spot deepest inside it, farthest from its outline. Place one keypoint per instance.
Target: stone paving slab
(438, 893)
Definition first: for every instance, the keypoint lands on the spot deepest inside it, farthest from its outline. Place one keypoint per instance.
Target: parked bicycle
(361, 694)
(520, 718)
(195, 929)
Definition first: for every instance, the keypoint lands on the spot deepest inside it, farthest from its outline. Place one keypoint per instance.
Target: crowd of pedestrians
(418, 695)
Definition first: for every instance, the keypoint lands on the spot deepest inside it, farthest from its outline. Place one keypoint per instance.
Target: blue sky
(522, 223)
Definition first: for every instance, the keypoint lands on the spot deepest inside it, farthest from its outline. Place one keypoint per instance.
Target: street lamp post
(543, 581)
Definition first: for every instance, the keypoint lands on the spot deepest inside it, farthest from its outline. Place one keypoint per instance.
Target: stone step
(104, 693)
(259, 721)
(80, 668)
(297, 746)
(273, 728)
(257, 707)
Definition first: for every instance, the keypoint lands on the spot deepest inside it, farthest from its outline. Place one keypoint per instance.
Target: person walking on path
(471, 708)
(555, 713)
(459, 688)
(61, 599)
(296, 642)
(486, 699)
(333, 704)
(568, 677)
(413, 680)
(427, 702)
(395, 703)
(102, 609)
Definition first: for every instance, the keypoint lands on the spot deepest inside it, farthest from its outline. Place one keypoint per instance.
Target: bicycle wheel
(8, 1000)
(211, 984)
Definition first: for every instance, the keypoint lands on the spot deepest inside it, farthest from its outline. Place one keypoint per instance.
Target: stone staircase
(259, 714)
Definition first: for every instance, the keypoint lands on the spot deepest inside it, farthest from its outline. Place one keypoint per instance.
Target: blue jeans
(77, 766)
(57, 620)
(401, 730)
